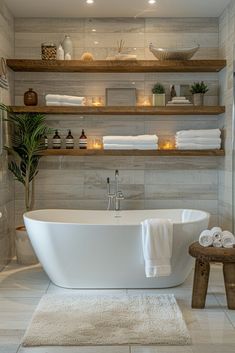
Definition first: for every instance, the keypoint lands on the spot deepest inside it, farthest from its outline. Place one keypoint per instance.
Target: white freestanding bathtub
(103, 249)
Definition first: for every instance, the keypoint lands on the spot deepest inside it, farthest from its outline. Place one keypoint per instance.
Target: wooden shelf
(191, 110)
(110, 66)
(101, 152)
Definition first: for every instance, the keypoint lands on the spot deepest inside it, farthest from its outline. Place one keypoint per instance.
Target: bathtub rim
(26, 215)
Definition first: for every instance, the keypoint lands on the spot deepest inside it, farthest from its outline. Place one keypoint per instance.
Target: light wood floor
(212, 329)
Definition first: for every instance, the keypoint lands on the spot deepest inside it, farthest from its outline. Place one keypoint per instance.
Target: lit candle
(97, 101)
(168, 146)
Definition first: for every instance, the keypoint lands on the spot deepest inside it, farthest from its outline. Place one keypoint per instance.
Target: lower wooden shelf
(101, 152)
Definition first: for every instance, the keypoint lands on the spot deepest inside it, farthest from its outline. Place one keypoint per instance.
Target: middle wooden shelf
(106, 110)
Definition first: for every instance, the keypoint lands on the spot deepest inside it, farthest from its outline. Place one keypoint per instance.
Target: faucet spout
(114, 199)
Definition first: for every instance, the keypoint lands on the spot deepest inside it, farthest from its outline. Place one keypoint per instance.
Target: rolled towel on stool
(217, 233)
(228, 239)
(217, 243)
(206, 238)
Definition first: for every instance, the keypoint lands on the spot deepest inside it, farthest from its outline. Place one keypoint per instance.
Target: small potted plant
(159, 96)
(198, 90)
(26, 150)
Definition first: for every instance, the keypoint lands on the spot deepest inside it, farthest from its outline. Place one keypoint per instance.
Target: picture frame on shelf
(121, 97)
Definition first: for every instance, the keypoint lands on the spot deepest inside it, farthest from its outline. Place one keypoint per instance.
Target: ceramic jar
(30, 97)
(159, 100)
(198, 99)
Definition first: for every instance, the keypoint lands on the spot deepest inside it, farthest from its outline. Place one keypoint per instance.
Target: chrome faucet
(114, 198)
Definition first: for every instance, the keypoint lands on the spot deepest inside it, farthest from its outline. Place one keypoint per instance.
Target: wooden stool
(202, 271)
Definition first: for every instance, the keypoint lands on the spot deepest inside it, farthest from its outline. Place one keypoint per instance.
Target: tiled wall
(80, 182)
(227, 46)
(6, 182)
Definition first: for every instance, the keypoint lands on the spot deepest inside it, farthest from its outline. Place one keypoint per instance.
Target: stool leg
(229, 281)
(200, 284)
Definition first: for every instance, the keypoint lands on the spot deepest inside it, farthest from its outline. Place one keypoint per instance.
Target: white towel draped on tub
(157, 239)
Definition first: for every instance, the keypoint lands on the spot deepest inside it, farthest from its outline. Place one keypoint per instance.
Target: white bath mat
(78, 320)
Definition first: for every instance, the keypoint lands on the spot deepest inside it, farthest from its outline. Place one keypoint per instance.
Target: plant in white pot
(198, 90)
(27, 144)
(159, 95)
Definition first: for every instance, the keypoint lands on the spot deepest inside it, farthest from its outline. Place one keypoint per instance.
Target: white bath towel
(217, 243)
(64, 98)
(206, 238)
(228, 239)
(138, 140)
(195, 146)
(217, 233)
(157, 240)
(179, 101)
(210, 133)
(129, 147)
(60, 104)
(198, 140)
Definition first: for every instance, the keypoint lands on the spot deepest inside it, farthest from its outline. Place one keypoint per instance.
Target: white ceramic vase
(67, 45)
(24, 250)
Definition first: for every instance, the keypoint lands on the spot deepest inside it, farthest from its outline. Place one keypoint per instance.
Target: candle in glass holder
(97, 101)
(97, 144)
(168, 145)
(144, 102)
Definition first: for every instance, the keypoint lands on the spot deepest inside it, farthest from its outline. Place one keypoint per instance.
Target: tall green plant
(27, 147)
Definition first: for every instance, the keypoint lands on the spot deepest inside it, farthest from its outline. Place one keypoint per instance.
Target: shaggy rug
(78, 320)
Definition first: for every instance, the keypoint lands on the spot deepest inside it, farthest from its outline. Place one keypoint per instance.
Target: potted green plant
(159, 96)
(27, 144)
(198, 90)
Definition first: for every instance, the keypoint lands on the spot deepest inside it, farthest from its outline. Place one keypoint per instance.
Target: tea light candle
(97, 101)
(168, 146)
(97, 144)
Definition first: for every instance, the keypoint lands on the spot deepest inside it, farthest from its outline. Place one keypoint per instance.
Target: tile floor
(212, 329)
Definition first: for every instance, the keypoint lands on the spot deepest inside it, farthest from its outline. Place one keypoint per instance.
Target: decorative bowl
(173, 53)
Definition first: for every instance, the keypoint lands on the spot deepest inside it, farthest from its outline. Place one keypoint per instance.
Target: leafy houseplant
(26, 149)
(159, 96)
(198, 90)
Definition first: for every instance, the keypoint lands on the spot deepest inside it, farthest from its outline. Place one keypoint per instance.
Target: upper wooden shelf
(116, 65)
(145, 110)
(101, 152)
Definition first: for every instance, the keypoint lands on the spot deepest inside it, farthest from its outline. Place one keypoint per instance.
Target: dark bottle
(173, 91)
(46, 141)
(30, 97)
(83, 140)
(69, 141)
(56, 141)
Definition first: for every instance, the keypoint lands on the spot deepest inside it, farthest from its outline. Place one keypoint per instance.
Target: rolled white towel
(60, 104)
(217, 243)
(198, 140)
(217, 233)
(199, 133)
(110, 146)
(64, 98)
(205, 238)
(228, 239)
(195, 146)
(138, 140)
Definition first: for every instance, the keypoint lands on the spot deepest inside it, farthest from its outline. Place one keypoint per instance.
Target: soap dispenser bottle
(83, 140)
(56, 141)
(69, 141)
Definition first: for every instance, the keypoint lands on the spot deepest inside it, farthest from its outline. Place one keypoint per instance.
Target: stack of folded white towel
(217, 238)
(198, 139)
(61, 100)
(140, 142)
(178, 101)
